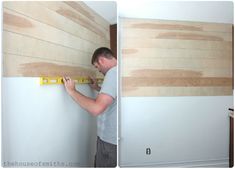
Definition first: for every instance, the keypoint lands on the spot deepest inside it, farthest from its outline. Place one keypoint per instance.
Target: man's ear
(101, 60)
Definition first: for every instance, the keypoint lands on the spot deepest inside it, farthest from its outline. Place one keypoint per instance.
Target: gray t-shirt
(107, 121)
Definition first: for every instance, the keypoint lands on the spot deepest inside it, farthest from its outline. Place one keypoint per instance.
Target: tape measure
(59, 80)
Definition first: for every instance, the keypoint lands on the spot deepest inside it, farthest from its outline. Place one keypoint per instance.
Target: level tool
(59, 80)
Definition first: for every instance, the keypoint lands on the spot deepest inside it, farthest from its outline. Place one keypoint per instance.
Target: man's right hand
(69, 85)
(94, 85)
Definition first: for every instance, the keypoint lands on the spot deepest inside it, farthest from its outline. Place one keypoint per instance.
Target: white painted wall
(202, 11)
(105, 9)
(44, 124)
(181, 131)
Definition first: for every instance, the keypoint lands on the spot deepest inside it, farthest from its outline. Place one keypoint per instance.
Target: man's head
(103, 59)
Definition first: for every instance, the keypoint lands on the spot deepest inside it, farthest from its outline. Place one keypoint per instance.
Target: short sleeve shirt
(107, 121)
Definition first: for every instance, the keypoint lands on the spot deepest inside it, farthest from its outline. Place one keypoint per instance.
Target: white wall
(44, 124)
(181, 131)
(105, 9)
(202, 11)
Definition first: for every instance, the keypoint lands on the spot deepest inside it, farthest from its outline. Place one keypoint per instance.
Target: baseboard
(196, 163)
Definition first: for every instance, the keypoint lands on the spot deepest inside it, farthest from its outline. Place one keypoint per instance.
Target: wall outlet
(148, 151)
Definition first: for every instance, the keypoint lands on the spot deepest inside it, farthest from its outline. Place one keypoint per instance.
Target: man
(104, 106)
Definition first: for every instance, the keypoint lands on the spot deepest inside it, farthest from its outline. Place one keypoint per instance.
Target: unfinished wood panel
(18, 23)
(36, 36)
(44, 50)
(175, 91)
(178, 34)
(76, 16)
(37, 11)
(175, 53)
(131, 43)
(136, 72)
(175, 25)
(82, 8)
(172, 58)
(36, 67)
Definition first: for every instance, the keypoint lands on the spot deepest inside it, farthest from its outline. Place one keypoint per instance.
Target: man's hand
(94, 84)
(69, 85)
(94, 106)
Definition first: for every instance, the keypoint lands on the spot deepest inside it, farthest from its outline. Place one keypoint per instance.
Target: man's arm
(94, 106)
(94, 85)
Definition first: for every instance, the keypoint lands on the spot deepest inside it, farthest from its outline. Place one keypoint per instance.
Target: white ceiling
(106, 9)
(202, 11)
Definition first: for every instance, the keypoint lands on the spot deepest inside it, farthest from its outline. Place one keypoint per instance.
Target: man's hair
(101, 52)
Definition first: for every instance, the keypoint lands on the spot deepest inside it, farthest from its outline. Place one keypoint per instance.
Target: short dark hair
(101, 52)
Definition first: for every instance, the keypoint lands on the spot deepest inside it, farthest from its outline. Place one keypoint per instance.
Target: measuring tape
(59, 80)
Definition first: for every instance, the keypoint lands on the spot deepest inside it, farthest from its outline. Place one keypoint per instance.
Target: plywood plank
(176, 91)
(177, 63)
(18, 23)
(132, 53)
(82, 8)
(175, 44)
(175, 81)
(177, 34)
(17, 65)
(170, 72)
(174, 25)
(40, 40)
(172, 58)
(75, 16)
(37, 11)
(42, 49)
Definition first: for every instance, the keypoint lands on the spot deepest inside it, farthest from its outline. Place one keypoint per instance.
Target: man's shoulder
(113, 68)
(112, 71)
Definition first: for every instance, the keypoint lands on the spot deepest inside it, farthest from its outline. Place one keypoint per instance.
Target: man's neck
(111, 65)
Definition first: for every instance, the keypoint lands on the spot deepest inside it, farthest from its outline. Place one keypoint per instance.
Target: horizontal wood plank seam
(180, 48)
(176, 81)
(183, 48)
(194, 31)
(183, 30)
(164, 57)
(135, 49)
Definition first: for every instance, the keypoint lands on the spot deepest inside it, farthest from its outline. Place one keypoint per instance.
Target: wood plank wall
(51, 38)
(172, 58)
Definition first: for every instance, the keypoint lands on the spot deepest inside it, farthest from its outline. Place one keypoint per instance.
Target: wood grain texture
(76, 16)
(39, 39)
(82, 8)
(36, 67)
(175, 91)
(41, 13)
(175, 25)
(178, 34)
(172, 58)
(47, 33)
(44, 50)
